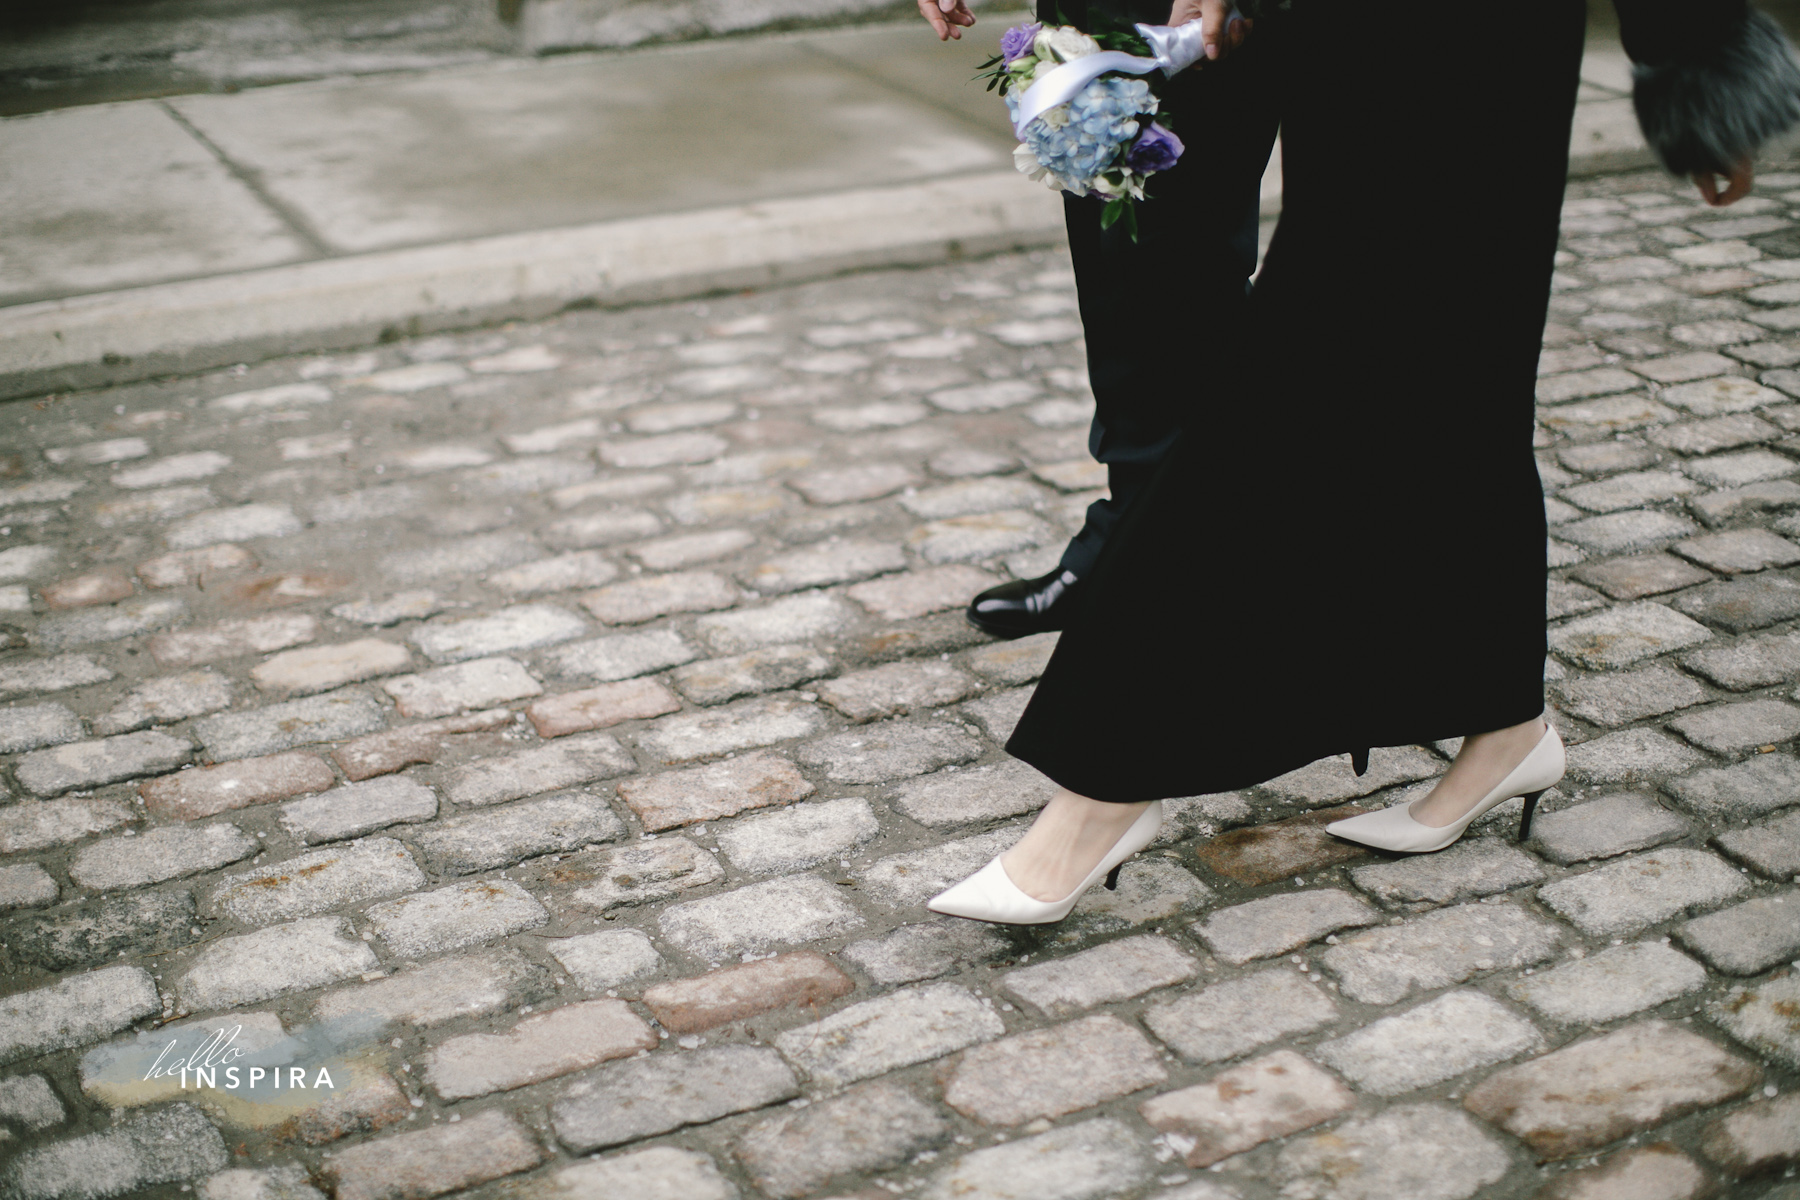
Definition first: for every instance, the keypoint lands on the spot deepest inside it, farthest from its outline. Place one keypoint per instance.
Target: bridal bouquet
(1085, 121)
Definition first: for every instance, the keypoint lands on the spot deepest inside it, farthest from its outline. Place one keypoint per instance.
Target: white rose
(1027, 162)
(1106, 187)
(1068, 42)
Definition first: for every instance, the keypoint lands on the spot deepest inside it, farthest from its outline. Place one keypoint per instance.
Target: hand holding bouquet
(1085, 121)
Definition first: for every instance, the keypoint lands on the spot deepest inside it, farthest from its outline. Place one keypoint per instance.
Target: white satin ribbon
(1175, 48)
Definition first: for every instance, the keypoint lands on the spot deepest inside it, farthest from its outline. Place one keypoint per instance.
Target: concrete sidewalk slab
(376, 163)
(119, 195)
(179, 327)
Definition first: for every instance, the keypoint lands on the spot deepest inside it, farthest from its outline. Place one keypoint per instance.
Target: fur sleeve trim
(1707, 114)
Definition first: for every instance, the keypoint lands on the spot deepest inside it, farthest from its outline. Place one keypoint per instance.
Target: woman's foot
(1066, 842)
(1483, 762)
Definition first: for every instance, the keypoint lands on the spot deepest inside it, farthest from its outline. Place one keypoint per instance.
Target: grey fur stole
(1708, 114)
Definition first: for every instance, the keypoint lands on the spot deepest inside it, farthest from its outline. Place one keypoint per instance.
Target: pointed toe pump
(991, 895)
(1394, 828)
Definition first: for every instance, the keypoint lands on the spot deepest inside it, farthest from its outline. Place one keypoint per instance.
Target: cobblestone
(323, 718)
(1277, 924)
(1734, 728)
(799, 837)
(469, 985)
(207, 791)
(1759, 784)
(168, 852)
(659, 1173)
(84, 935)
(925, 951)
(58, 769)
(393, 749)
(1075, 1162)
(1280, 849)
(1106, 974)
(1270, 1097)
(1756, 1137)
(26, 827)
(877, 1036)
(502, 836)
(26, 885)
(317, 882)
(1772, 847)
(720, 789)
(1637, 892)
(767, 670)
(1616, 982)
(1621, 636)
(638, 600)
(746, 725)
(358, 808)
(253, 967)
(166, 1146)
(640, 874)
(598, 961)
(567, 762)
(165, 700)
(429, 1162)
(794, 619)
(1746, 938)
(450, 918)
(1590, 1093)
(868, 1128)
(1449, 1036)
(780, 912)
(233, 639)
(888, 750)
(1449, 946)
(621, 656)
(540, 1047)
(896, 689)
(981, 794)
(1619, 699)
(1740, 605)
(480, 683)
(1631, 756)
(1655, 1172)
(804, 979)
(1427, 1151)
(1760, 1017)
(522, 627)
(1751, 663)
(1050, 1072)
(643, 1097)
(1466, 871)
(1234, 1017)
(1605, 827)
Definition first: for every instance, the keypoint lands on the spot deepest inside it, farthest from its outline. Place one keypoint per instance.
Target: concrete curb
(177, 328)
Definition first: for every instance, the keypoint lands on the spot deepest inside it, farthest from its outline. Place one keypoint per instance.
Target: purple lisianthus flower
(1156, 150)
(1017, 41)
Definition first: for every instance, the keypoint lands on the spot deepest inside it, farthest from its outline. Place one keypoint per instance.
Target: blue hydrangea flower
(1076, 142)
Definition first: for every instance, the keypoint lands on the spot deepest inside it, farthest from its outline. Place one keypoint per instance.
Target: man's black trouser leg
(1154, 309)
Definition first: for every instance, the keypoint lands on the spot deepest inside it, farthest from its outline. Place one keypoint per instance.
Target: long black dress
(1348, 549)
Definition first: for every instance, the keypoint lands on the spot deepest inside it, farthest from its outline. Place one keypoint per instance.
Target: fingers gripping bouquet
(1086, 122)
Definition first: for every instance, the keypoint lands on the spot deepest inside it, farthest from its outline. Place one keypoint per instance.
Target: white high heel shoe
(991, 895)
(1393, 828)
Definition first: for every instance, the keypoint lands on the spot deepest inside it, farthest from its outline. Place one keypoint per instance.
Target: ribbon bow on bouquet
(1084, 123)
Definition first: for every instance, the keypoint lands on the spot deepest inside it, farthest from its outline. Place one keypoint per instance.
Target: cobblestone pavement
(553, 732)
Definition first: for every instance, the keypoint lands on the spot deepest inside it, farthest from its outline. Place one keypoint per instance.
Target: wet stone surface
(574, 718)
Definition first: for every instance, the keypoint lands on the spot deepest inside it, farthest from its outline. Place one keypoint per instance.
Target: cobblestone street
(556, 730)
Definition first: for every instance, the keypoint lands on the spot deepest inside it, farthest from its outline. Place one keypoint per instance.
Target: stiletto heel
(991, 895)
(1393, 828)
(1359, 762)
(1530, 807)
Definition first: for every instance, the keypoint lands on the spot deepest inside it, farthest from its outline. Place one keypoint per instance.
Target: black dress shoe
(1024, 606)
